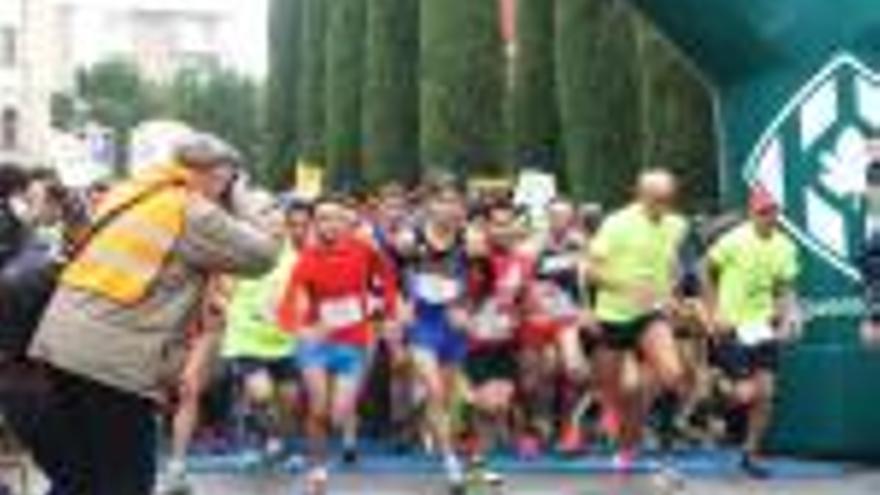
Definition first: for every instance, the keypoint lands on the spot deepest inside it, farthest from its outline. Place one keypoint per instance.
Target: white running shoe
(176, 483)
(316, 481)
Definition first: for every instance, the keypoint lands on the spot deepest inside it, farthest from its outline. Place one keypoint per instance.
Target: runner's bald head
(656, 189)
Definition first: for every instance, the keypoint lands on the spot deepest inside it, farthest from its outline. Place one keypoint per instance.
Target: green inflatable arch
(797, 85)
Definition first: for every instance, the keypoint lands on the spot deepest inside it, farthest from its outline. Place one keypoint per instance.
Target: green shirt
(750, 270)
(251, 330)
(634, 252)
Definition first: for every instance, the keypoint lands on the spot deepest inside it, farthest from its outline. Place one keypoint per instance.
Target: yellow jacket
(122, 260)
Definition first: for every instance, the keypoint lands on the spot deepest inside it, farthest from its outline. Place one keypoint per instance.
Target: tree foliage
(344, 93)
(391, 101)
(462, 86)
(206, 98)
(311, 81)
(677, 118)
(285, 31)
(599, 97)
(221, 102)
(117, 96)
(535, 106)
(594, 94)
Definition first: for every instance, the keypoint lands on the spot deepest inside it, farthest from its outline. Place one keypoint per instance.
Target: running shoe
(610, 423)
(668, 479)
(470, 445)
(571, 440)
(350, 456)
(479, 473)
(316, 481)
(488, 477)
(176, 484)
(457, 488)
(754, 468)
(624, 461)
(455, 475)
(274, 450)
(528, 446)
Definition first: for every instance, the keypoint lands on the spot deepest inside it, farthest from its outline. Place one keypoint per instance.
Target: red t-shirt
(338, 279)
(500, 280)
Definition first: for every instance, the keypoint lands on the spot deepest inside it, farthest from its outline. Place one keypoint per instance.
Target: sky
(250, 27)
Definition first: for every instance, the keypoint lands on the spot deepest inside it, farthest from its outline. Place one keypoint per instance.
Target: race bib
(341, 312)
(558, 263)
(754, 334)
(436, 289)
(491, 324)
(554, 302)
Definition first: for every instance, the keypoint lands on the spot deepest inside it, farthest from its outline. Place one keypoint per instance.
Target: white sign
(535, 190)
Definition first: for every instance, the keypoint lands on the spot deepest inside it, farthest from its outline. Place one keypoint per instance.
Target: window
(9, 129)
(8, 47)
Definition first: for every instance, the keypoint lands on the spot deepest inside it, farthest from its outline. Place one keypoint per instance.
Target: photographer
(112, 338)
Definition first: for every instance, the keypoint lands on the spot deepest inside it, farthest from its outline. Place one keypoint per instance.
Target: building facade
(25, 80)
(160, 36)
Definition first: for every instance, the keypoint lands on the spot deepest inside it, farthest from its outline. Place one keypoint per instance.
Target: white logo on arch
(812, 159)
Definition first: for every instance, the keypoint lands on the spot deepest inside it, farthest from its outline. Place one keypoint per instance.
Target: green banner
(797, 84)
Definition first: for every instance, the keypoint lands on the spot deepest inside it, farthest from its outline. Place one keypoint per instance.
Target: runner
(753, 269)
(205, 334)
(113, 335)
(498, 284)
(261, 355)
(435, 282)
(549, 358)
(327, 304)
(632, 261)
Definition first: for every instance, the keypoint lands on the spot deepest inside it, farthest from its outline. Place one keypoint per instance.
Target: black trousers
(89, 439)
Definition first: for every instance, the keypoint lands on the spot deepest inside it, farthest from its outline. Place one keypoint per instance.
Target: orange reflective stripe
(99, 276)
(123, 260)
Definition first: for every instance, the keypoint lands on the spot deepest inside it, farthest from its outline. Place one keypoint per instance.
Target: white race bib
(341, 312)
(491, 324)
(558, 263)
(554, 302)
(436, 289)
(754, 334)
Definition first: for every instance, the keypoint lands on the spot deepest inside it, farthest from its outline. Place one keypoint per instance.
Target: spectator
(113, 336)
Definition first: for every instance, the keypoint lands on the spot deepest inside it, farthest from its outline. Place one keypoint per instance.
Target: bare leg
(631, 403)
(760, 411)
(184, 424)
(609, 377)
(317, 421)
(440, 384)
(661, 353)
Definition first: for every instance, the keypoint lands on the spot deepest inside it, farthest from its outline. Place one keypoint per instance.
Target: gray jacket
(140, 348)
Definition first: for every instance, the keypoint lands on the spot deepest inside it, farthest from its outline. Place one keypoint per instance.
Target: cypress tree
(311, 99)
(345, 71)
(599, 97)
(285, 23)
(535, 108)
(677, 118)
(461, 86)
(391, 101)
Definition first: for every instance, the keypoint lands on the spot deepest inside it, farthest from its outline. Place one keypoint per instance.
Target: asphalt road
(867, 483)
(863, 482)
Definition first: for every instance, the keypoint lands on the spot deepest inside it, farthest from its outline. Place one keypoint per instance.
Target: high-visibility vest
(122, 261)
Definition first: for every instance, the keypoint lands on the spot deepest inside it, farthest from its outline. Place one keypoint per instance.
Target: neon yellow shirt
(251, 330)
(750, 271)
(635, 252)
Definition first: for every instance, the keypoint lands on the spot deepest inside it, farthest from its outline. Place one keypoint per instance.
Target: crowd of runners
(470, 323)
(494, 332)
